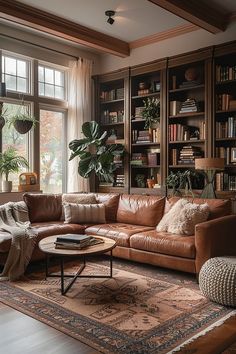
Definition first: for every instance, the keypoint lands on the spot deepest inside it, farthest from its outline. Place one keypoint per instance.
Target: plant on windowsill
(151, 112)
(10, 162)
(95, 156)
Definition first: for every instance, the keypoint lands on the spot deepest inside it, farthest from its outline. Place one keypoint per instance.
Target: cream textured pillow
(80, 198)
(183, 216)
(84, 213)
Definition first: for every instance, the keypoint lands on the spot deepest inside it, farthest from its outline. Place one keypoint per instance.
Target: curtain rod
(40, 46)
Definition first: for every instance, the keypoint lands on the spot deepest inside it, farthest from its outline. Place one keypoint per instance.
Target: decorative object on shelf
(151, 182)
(100, 158)
(22, 120)
(151, 111)
(191, 74)
(209, 166)
(28, 182)
(10, 162)
(140, 180)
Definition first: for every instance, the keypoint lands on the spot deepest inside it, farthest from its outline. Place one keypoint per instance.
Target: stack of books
(188, 154)
(189, 106)
(144, 136)
(138, 113)
(120, 181)
(76, 241)
(139, 159)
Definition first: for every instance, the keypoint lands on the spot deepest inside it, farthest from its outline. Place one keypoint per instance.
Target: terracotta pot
(23, 126)
(150, 183)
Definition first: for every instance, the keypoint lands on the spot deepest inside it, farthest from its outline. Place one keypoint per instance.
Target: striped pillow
(84, 213)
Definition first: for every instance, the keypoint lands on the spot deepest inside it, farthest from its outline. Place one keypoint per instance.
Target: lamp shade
(210, 163)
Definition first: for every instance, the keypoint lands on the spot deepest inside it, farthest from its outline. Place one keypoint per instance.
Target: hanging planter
(23, 126)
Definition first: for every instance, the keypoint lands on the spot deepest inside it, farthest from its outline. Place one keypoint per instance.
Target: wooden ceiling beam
(29, 16)
(198, 12)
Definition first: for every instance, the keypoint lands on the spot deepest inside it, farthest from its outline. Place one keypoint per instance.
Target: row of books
(76, 241)
(150, 158)
(185, 156)
(225, 72)
(226, 129)
(114, 94)
(180, 132)
(225, 102)
(228, 153)
(108, 117)
(120, 181)
(146, 136)
(225, 182)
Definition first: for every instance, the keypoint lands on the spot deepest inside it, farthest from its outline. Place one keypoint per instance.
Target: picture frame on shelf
(233, 155)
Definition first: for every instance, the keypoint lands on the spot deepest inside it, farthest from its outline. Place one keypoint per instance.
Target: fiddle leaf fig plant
(95, 156)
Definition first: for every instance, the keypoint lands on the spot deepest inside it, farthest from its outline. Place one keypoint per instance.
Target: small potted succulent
(140, 180)
(10, 162)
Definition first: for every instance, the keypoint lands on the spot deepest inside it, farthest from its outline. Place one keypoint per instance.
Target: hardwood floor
(23, 334)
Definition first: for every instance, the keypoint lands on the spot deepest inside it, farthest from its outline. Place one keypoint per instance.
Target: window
(10, 137)
(52, 151)
(51, 82)
(16, 73)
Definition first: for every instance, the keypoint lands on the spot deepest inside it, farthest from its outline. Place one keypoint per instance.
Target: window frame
(29, 71)
(36, 103)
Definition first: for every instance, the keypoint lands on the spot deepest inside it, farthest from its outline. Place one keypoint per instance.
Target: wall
(167, 48)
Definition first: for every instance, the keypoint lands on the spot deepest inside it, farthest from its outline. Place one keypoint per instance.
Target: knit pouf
(217, 280)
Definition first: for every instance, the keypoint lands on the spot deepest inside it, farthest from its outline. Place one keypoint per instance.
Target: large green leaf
(79, 144)
(91, 130)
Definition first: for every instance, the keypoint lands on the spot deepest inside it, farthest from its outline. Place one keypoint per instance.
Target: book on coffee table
(91, 241)
(73, 238)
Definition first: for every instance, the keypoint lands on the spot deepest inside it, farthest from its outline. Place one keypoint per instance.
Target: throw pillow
(80, 198)
(84, 213)
(183, 216)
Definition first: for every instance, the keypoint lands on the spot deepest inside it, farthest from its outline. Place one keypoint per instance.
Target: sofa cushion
(117, 231)
(140, 210)
(84, 213)
(165, 243)
(183, 216)
(218, 207)
(80, 198)
(43, 207)
(111, 201)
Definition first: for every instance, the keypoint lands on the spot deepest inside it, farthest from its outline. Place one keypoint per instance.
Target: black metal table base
(62, 275)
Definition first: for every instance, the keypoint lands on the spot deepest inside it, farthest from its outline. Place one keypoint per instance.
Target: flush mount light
(110, 13)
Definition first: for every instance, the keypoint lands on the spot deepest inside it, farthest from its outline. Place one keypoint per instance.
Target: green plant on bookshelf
(95, 156)
(151, 111)
(140, 180)
(181, 181)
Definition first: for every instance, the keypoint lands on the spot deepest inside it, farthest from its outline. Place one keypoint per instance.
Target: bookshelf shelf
(153, 94)
(147, 144)
(145, 166)
(187, 142)
(112, 101)
(186, 115)
(197, 87)
(182, 166)
(112, 124)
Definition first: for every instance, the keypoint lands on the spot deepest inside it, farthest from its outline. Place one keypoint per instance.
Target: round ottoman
(217, 280)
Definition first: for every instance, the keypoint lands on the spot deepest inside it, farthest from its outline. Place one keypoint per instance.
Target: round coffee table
(47, 245)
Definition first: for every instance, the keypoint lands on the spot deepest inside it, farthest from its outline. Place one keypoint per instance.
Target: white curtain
(79, 111)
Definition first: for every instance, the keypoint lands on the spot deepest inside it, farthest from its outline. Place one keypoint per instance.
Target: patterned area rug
(142, 309)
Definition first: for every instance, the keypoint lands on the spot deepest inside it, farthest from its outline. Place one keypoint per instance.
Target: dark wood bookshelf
(153, 94)
(189, 88)
(112, 101)
(197, 141)
(186, 115)
(144, 166)
(147, 144)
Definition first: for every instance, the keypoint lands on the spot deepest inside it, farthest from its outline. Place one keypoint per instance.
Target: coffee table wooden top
(47, 246)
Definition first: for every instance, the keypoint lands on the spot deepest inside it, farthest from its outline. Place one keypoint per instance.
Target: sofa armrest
(215, 238)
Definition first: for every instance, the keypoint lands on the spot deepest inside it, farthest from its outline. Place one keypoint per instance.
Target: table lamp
(209, 165)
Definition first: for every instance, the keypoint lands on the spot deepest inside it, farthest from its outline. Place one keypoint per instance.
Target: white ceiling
(134, 19)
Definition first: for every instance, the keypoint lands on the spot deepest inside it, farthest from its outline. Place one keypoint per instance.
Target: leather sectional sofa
(131, 220)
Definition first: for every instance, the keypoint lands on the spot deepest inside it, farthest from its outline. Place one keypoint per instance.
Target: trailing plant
(11, 162)
(141, 180)
(151, 111)
(95, 156)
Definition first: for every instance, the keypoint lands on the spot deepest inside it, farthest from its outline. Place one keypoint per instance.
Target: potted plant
(141, 180)
(95, 155)
(22, 122)
(181, 180)
(151, 111)
(10, 161)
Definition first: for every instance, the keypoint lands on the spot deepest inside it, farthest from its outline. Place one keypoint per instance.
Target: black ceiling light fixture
(110, 14)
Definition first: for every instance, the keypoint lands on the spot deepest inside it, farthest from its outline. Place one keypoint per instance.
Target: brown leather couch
(131, 220)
